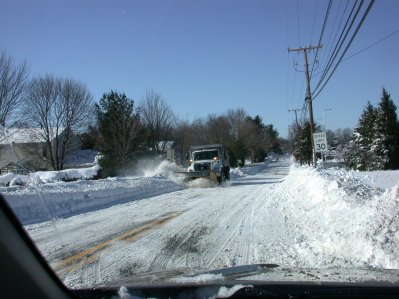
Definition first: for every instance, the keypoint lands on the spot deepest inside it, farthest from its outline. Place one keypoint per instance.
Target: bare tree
(13, 84)
(237, 122)
(60, 108)
(199, 132)
(158, 118)
(183, 140)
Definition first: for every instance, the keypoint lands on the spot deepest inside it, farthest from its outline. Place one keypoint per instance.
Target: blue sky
(205, 56)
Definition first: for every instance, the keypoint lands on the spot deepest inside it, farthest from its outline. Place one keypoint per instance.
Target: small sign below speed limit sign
(320, 142)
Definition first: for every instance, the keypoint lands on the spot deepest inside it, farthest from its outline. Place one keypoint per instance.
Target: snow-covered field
(272, 212)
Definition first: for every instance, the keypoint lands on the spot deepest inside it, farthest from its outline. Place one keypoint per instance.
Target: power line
(321, 34)
(336, 33)
(373, 44)
(340, 42)
(347, 47)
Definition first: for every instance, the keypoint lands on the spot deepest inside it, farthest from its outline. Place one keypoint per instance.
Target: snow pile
(339, 220)
(12, 179)
(65, 175)
(382, 178)
(40, 202)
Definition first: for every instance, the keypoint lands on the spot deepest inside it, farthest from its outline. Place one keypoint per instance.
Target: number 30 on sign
(320, 142)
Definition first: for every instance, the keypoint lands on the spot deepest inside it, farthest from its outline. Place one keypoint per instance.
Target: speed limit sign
(320, 142)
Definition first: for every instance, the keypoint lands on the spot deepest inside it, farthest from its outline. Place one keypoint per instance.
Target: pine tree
(119, 128)
(362, 154)
(386, 141)
(302, 144)
(375, 143)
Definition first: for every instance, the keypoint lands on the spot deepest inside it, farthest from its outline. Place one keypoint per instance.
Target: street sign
(320, 142)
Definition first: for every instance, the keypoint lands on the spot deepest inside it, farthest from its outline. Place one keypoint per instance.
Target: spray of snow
(201, 183)
(157, 168)
(167, 170)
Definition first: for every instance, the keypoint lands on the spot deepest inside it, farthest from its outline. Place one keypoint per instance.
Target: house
(24, 149)
(81, 158)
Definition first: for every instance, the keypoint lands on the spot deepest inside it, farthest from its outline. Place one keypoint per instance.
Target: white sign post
(320, 142)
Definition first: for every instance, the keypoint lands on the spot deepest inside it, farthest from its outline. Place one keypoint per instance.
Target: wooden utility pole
(296, 117)
(308, 92)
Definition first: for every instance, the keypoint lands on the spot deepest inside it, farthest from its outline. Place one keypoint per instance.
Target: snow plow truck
(209, 161)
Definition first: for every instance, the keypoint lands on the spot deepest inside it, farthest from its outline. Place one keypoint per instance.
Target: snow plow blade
(206, 174)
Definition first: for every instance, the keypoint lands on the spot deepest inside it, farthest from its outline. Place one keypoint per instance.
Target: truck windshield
(205, 155)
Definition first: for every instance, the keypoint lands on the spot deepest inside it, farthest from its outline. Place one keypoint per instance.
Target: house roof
(24, 135)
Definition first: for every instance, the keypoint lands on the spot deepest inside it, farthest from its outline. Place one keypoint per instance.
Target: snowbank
(45, 195)
(12, 179)
(43, 202)
(339, 220)
(65, 175)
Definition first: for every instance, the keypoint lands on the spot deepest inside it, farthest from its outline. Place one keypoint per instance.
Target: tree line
(124, 134)
(122, 129)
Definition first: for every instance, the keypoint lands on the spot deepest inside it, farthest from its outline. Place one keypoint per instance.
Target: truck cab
(211, 160)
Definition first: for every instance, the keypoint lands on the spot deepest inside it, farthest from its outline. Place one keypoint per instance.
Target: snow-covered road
(212, 227)
(271, 212)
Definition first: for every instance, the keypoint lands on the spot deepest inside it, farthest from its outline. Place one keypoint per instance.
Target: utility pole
(308, 92)
(296, 117)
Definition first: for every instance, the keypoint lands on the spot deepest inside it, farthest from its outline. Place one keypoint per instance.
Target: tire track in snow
(240, 241)
(219, 227)
(91, 254)
(185, 235)
(231, 224)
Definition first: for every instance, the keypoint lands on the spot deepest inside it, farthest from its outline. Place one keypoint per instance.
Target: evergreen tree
(375, 143)
(302, 144)
(386, 141)
(256, 142)
(119, 129)
(363, 154)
